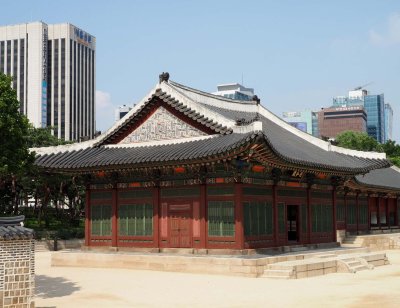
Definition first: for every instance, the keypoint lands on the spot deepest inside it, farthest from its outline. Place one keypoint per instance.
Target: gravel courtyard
(94, 287)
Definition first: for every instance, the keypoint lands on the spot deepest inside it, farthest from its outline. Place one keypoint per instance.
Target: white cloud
(104, 110)
(103, 99)
(390, 35)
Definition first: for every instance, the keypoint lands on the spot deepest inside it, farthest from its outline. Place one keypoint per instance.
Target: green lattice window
(281, 218)
(340, 211)
(221, 218)
(258, 218)
(351, 212)
(100, 219)
(304, 218)
(363, 211)
(135, 219)
(321, 215)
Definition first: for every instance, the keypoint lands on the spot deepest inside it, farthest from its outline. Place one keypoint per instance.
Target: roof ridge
(219, 97)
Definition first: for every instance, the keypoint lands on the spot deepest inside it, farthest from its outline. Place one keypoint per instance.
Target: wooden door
(180, 229)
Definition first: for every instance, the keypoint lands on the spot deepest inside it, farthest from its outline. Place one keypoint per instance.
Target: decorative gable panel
(162, 125)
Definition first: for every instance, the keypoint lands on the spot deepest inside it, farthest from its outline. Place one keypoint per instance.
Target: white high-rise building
(121, 111)
(53, 69)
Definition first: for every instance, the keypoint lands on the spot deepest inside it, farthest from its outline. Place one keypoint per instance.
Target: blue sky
(295, 54)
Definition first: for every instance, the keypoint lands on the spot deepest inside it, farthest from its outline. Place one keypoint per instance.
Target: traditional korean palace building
(185, 168)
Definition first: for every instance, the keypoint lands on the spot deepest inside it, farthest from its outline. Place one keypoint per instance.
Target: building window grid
(49, 82)
(63, 59)
(8, 58)
(56, 85)
(2, 57)
(22, 74)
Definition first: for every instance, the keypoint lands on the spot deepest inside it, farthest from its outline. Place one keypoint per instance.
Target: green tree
(358, 141)
(15, 158)
(42, 137)
(363, 142)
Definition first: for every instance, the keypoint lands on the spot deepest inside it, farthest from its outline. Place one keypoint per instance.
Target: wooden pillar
(309, 223)
(369, 211)
(203, 216)
(396, 211)
(345, 212)
(239, 230)
(87, 217)
(357, 212)
(378, 214)
(275, 213)
(156, 218)
(114, 221)
(387, 212)
(334, 214)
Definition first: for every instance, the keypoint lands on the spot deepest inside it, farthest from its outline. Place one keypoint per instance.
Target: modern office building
(388, 122)
(235, 91)
(333, 121)
(373, 106)
(306, 121)
(121, 111)
(53, 69)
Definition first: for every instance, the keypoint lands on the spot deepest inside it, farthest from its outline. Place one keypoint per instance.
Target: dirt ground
(94, 287)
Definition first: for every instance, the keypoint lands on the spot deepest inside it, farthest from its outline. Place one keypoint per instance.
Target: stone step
(360, 267)
(353, 263)
(278, 273)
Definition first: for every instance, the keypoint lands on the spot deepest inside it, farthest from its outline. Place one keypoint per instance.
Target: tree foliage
(358, 141)
(363, 142)
(21, 183)
(15, 157)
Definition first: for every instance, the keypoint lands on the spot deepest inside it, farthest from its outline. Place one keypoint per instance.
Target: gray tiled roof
(381, 178)
(104, 156)
(11, 229)
(281, 143)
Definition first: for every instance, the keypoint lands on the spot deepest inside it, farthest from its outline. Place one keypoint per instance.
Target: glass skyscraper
(388, 122)
(375, 107)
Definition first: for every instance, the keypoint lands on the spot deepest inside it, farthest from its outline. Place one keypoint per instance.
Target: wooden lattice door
(180, 228)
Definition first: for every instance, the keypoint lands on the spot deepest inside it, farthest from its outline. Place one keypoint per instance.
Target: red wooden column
(334, 213)
(387, 212)
(156, 219)
(309, 225)
(396, 211)
(87, 217)
(203, 215)
(114, 222)
(357, 211)
(275, 213)
(378, 214)
(239, 216)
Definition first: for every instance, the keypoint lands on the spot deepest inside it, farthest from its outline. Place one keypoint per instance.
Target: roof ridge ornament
(256, 99)
(164, 76)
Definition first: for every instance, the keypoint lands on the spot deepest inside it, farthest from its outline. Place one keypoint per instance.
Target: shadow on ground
(49, 287)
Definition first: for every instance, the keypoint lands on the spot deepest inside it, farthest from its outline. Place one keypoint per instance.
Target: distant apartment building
(335, 120)
(121, 111)
(306, 121)
(373, 106)
(235, 91)
(388, 122)
(53, 71)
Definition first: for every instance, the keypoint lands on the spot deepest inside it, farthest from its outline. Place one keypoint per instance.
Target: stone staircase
(326, 263)
(353, 241)
(353, 265)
